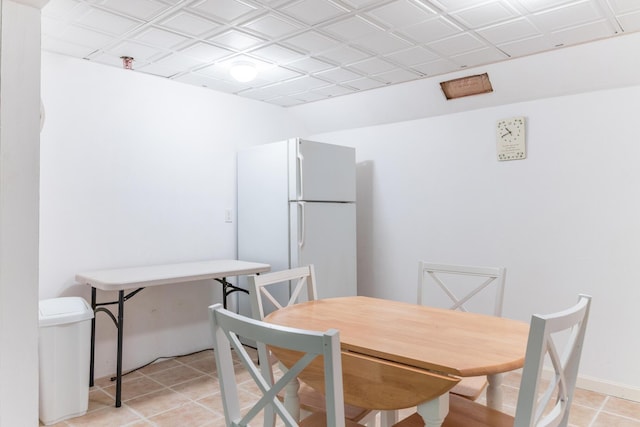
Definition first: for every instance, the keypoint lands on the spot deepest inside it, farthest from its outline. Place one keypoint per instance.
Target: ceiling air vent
(466, 86)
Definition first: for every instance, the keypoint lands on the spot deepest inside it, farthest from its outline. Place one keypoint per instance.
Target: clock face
(510, 139)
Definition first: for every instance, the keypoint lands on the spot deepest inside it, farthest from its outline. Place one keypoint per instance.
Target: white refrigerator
(296, 206)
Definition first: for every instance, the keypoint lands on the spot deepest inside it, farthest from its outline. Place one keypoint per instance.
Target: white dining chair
(458, 285)
(227, 328)
(556, 339)
(302, 282)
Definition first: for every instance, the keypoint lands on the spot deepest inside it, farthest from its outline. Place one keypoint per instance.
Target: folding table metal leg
(92, 357)
(120, 327)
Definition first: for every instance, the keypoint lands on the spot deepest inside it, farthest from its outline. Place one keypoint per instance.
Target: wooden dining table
(397, 355)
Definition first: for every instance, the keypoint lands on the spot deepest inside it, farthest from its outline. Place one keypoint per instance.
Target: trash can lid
(59, 311)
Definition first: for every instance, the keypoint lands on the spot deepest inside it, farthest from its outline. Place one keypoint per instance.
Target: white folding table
(135, 279)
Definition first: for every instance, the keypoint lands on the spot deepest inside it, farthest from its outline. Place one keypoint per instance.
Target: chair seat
(470, 387)
(319, 419)
(464, 413)
(313, 401)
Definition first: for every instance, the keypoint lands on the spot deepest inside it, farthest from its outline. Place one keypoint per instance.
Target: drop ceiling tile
(479, 57)
(205, 52)
(358, 4)
(396, 76)
(272, 26)
(176, 63)
(214, 71)
(301, 84)
(237, 40)
(382, 43)
(450, 5)
(516, 29)
(457, 44)
(625, 6)
(569, 16)
(260, 65)
(219, 85)
(108, 22)
(333, 90)
(430, 31)
(65, 48)
(276, 54)
(224, 10)
(343, 54)
(285, 101)
(527, 46)
(141, 9)
(434, 68)
(188, 23)
(50, 27)
(275, 74)
(338, 75)
(485, 14)
(309, 96)
(138, 51)
(68, 10)
(412, 56)
(538, 5)
(85, 37)
(311, 41)
(364, 83)
(351, 28)
(372, 66)
(263, 93)
(199, 80)
(161, 38)
(313, 12)
(582, 33)
(630, 21)
(401, 13)
(310, 65)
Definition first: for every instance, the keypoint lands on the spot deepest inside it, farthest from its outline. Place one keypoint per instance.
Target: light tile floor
(183, 392)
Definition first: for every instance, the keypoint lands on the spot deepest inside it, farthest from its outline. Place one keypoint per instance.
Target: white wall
(138, 170)
(564, 221)
(19, 118)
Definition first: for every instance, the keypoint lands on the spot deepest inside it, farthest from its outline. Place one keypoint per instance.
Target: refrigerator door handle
(301, 226)
(300, 159)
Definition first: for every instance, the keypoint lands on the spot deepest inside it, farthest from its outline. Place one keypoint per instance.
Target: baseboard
(610, 388)
(622, 391)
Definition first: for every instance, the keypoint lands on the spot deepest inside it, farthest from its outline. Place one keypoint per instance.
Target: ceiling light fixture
(243, 71)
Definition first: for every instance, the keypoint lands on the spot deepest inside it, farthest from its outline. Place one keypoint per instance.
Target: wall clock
(510, 139)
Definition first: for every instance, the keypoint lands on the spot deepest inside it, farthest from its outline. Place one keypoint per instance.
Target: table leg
(291, 399)
(388, 418)
(494, 391)
(92, 355)
(433, 412)
(119, 354)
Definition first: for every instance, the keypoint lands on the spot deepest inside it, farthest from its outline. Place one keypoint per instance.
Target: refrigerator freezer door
(321, 172)
(324, 234)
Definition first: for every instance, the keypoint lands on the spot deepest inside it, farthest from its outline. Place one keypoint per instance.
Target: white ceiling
(309, 50)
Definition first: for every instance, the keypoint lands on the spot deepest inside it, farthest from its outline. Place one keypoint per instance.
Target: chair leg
(388, 418)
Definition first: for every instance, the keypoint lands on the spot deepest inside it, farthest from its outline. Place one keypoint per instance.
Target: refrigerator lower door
(324, 234)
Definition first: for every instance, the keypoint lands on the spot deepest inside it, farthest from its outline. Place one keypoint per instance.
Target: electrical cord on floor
(165, 357)
(160, 358)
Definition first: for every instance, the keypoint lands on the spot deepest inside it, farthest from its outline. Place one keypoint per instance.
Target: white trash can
(64, 352)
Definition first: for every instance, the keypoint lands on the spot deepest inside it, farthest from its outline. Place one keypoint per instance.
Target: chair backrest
(301, 278)
(537, 408)
(446, 277)
(227, 327)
